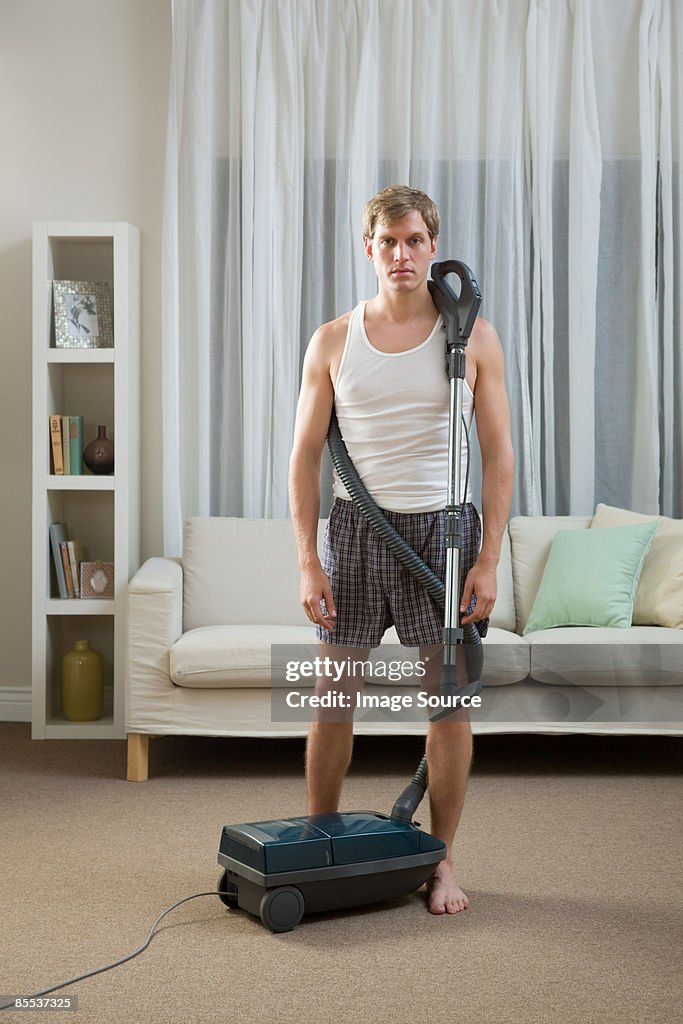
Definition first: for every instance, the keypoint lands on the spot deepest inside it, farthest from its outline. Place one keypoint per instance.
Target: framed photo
(82, 312)
(97, 579)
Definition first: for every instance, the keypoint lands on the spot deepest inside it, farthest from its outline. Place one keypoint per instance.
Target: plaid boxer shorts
(373, 591)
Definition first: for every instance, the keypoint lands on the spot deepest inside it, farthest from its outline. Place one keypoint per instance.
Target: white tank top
(392, 410)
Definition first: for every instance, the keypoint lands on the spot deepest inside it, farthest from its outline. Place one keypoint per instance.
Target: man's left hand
(480, 584)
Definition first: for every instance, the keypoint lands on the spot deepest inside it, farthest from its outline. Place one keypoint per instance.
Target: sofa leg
(138, 757)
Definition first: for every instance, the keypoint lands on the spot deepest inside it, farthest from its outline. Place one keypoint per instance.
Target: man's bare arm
(314, 409)
(497, 458)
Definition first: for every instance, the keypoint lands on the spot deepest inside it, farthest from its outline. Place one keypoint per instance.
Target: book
(58, 533)
(66, 446)
(76, 556)
(76, 444)
(68, 579)
(56, 438)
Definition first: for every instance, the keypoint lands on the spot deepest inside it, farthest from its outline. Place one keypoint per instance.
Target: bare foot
(444, 895)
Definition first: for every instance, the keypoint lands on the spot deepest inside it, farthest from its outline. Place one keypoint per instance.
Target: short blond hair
(393, 203)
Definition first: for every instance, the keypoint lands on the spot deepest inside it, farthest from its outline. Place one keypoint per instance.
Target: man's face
(401, 252)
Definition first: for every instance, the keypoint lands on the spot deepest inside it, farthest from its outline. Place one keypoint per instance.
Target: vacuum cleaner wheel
(281, 908)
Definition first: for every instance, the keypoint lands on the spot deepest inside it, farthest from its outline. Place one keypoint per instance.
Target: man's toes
(456, 904)
(445, 899)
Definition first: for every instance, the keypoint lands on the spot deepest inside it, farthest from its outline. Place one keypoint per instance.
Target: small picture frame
(97, 579)
(82, 312)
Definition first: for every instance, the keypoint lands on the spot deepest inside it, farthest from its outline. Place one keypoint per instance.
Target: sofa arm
(155, 621)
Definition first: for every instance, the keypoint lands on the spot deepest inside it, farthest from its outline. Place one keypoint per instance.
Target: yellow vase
(82, 683)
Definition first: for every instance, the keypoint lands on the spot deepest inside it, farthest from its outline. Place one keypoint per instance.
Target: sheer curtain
(549, 135)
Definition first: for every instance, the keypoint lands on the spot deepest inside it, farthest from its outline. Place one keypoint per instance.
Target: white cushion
(659, 595)
(242, 571)
(603, 656)
(506, 658)
(225, 657)
(531, 538)
(234, 657)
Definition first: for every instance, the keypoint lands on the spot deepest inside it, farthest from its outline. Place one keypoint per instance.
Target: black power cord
(117, 963)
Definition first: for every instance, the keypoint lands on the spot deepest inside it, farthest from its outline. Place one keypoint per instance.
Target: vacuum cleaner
(278, 870)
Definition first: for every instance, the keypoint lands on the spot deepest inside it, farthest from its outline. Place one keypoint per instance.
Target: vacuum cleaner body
(278, 870)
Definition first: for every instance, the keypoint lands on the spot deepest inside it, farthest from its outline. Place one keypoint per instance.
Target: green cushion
(590, 577)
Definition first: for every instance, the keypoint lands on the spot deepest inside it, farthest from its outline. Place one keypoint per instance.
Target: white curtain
(547, 131)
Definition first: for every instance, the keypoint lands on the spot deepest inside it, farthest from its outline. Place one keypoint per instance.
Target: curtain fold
(549, 135)
(585, 179)
(647, 439)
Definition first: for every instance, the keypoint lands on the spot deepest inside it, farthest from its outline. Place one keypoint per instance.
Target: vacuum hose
(395, 542)
(357, 490)
(409, 799)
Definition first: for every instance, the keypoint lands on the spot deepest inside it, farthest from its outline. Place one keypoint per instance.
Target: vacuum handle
(459, 312)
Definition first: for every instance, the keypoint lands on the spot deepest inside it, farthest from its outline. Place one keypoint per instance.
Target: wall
(83, 99)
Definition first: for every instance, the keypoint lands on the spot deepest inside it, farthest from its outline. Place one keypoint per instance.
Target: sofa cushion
(506, 658)
(659, 595)
(590, 577)
(234, 657)
(219, 553)
(241, 571)
(225, 657)
(588, 656)
(530, 540)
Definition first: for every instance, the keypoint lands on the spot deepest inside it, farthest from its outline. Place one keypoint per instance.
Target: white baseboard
(15, 703)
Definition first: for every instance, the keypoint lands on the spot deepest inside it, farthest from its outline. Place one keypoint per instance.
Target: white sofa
(201, 629)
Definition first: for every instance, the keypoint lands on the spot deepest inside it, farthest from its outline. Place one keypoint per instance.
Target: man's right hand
(316, 598)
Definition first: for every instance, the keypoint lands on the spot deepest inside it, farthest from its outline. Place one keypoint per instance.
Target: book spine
(76, 444)
(74, 565)
(57, 534)
(64, 551)
(56, 438)
(66, 446)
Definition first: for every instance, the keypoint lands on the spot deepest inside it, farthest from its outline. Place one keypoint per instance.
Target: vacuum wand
(459, 314)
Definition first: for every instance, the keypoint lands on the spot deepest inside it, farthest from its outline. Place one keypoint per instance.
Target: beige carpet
(570, 851)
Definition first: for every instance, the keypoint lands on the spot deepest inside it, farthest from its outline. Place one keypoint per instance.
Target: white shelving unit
(103, 512)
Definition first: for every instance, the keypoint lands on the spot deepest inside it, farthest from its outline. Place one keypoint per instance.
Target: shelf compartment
(80, 389)
(89, 516)
(62, 633)
(82, 257)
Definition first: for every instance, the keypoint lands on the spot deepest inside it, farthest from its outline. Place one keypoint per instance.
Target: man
(382, 367)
